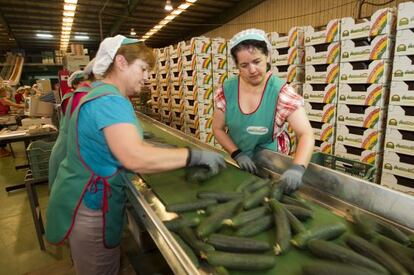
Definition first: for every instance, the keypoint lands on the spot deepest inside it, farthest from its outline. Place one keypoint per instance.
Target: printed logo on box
(330, 34)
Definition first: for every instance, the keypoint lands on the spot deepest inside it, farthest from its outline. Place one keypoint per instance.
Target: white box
(330, 33)
(196, 45)
(358, 154)
(323, 131)
(75, 62)
(219, 77)
(205, 110)
(405, 16)
(295, 37)
(365, 138)
(205, 124)
(207, 137)
(291, 73)
(174, 89)
(200, 61)
(322, 74)
(218, 45)
(381, 22)
(399, 141)
(320, 93)
(219, 62)
(361, 116)
(400, 117)
(402, 93)
(402, 184)
(201, 94)
(320, 112)
(399, 164)
(376, 71)
(403, 68)
(380, 47)
(323, 54)
(363, 94)
(294, 55)
(324, 147)
(174, 75)
(404, 43)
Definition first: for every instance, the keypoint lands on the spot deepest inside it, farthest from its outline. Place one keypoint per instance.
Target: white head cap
(250, 34)
(75, 75)
(88, 69)
(107, 50)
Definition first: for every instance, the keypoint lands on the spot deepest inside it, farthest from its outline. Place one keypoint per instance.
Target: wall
(281, 15)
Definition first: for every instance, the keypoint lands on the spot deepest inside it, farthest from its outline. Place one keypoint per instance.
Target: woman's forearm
(224, 139)
(304, 149)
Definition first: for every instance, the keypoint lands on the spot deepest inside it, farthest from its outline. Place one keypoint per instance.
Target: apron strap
(107, 192)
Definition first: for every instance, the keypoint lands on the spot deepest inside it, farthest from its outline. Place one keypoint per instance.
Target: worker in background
(81, 82)
(105, 140)
(254, 107)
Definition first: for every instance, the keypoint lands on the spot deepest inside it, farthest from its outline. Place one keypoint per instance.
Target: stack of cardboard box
(163, 64)
(322, 48)
(398, 171)
(366, 60)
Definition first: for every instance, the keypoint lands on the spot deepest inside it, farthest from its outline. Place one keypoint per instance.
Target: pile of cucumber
(223, 237)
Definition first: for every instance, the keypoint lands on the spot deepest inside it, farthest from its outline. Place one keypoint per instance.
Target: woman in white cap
(105, 139)
(254, 107)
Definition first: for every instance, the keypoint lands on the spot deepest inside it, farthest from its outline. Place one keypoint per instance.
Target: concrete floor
(19, 249)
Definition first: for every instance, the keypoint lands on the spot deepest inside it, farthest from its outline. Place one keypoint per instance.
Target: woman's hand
(291, 179)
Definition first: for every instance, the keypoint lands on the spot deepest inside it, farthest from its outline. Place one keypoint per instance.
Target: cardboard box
(192, 131)
(381, 22)
(402, 93)
(163, 76)
(218, 45)
(400, 117)
(219, 77)
(164, 90)
(178, 116)
(231, 65)
(358, 154)
(175, 89)
(404, 43)
(196, 45)
(376, 71)
(365, 138)
(75, 62)
(295, 37)
(324, 147)
(199, 78)
(322, 74)
(405, 16)
(177, 125)
(398, 183)
(165, 103)
(327, 34)
(163, 64)
(155, 109)
(35, 107)
(403, 69)
(399, 141)
(323, 131)
(380, 47)
(174, 75)
(320, 93)
(162, 53)
(201, 61)
(205, 110)
(363, 94)
(177, 102)
(174, 60)
(323, 54)
(361, 116)
(202, 94)
(207, 138)
(290, 73)
(205, 124)
(166, 115)
(320, 112)
(219, 62)
(155, 100)
(294, 55)
(399, 164)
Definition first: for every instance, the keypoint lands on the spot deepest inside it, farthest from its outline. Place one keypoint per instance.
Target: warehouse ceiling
(21, 20)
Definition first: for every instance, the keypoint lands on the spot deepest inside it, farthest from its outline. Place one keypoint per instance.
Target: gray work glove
(292, 178)
(214, 161)
(244, 161)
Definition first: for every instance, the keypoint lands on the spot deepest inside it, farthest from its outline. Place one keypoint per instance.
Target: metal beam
(129, 9)
(7, 28)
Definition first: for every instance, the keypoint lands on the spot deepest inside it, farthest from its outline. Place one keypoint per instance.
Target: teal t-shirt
(94, 116)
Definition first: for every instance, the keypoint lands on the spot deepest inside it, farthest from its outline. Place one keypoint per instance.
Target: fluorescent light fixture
(184, 6)
(170, 17)
(164, 22)
(65, 32)
(81, 37)
(71, 2)
(67, 19)
(176, 11)
(157, 27)
(132, 32)
(44, 35)
(65, 36)
(69, 7)
(168, 6)
(191, 1)
(68, 13)
(66, 28)
(66, 24)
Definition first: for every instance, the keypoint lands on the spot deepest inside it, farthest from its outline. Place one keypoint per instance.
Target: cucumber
(190, 206)
(237, 261)
(198, 174)
(211, 208)
(247, 216)
(325, 232)
(364, 225)
(277, 191)
(335, 252)
(402, 254)
(188, 235)
(295, 225)
(393, 232)
(298, 202)
(220, 270)
(283, 234)
(215, 221)
(256, 198)
(219, 196)
(237, 244)
(242, 186)
(411, 237)
(180, 222)
(187, 250)
(371, 251)
(257, 185)
(301, 213)
(256, 226)
(329, 268)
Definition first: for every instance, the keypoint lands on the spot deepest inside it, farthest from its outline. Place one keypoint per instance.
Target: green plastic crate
(355, 168)
(38, 153)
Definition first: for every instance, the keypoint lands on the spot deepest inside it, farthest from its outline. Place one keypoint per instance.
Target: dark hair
(77, 81)
(249, 44)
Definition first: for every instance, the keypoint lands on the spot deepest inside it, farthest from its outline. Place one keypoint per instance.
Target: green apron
(74, 177)
(254, 131)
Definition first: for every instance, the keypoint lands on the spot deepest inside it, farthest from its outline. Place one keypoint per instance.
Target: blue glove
(291, 179)
(244, 161)
(214, 161)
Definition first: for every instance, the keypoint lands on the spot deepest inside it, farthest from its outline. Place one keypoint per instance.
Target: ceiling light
(44, 35)
(65, 36)
(67, 19)
(69, 13)
(191, 1)
(164, 22)
(133, 32)
(66, 28)
(177, 11)
(69, 7)
(67, 24)
(183, 6)
(81, 37)
(157, 27)
(71, 1)
(170, 17)
(168, 6)
(65, 32)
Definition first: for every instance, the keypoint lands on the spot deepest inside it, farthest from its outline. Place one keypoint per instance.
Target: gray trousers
(86, 245)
